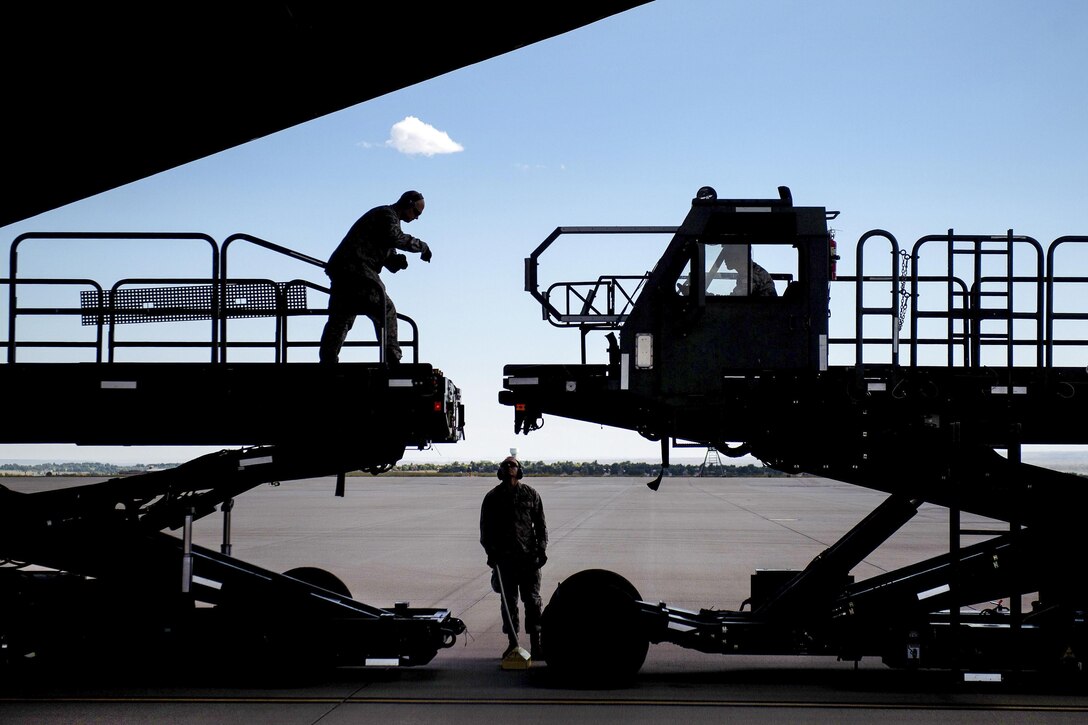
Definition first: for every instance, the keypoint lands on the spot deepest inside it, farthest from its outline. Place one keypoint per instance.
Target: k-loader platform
(108, 572)
(964, 348)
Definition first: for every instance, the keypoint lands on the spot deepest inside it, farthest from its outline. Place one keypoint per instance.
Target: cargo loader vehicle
(108, 572)
(954, 353)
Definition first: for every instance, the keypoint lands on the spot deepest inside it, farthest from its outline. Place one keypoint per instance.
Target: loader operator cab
(742, 287)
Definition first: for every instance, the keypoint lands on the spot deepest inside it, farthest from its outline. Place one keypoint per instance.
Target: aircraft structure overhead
(98, 95)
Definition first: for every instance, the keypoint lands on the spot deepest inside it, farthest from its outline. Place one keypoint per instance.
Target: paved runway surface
(693, 544)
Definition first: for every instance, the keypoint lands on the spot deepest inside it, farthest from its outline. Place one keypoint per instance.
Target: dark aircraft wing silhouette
(99, 94)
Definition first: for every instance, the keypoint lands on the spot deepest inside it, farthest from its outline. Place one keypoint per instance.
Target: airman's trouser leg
(510, 618)
(530, 597)
(524, 582)
(336, 331)
(392, 339)
(347, 301)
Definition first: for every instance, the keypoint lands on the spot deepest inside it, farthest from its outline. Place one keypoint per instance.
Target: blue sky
(912, 117)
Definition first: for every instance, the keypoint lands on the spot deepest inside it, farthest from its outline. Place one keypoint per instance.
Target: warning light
(520, 407)
(438, 406)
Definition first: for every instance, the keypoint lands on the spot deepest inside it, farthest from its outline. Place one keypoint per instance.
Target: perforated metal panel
(188, 302)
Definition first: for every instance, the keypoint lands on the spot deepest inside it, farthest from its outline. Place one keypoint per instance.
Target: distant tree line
(85, 468)
(593, 468)
(456, 468)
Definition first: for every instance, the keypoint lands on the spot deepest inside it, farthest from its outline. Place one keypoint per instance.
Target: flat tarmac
(693, 544)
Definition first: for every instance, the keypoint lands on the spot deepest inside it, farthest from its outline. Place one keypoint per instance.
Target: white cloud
(412, 136)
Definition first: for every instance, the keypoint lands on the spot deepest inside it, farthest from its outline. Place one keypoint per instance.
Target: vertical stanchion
(954, 583)
(228, 505)
(187, 553)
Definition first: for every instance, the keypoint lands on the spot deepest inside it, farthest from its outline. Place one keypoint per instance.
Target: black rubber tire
(592, 632)
(319, 578)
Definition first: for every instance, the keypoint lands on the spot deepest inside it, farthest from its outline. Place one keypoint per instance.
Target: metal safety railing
(994, 301)
(216, 298)
(977, 300)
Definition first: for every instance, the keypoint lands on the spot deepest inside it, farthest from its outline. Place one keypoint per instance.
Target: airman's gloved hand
(424, 252)
(396, 263)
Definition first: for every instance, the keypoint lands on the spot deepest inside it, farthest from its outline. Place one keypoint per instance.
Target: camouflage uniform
(357, 288)
(762, 285)
(515, 537)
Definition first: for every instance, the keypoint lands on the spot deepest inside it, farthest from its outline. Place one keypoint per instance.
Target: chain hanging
(904, 296)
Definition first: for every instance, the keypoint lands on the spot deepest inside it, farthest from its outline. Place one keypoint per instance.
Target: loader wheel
(319, 578)
(592, 632)
(275, 640)
(298, 649)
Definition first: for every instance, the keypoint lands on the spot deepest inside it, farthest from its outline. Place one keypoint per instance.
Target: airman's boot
(512, 644)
